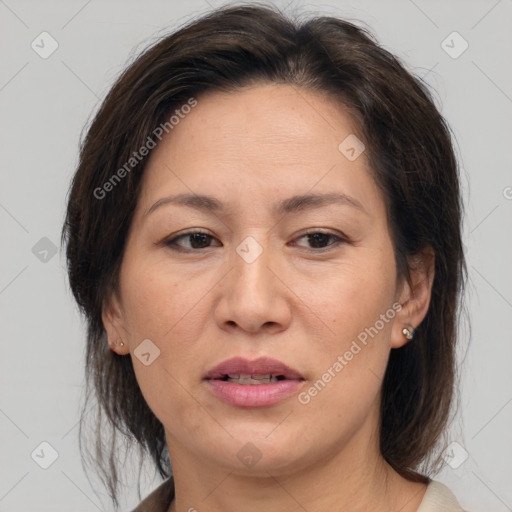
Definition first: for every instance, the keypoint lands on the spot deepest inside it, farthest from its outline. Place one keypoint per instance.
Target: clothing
(438, 498)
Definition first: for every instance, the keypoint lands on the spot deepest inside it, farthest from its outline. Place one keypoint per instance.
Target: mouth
(258, 383)
(258, 371)
(251, 379)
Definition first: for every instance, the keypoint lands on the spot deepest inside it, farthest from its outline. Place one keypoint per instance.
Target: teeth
(251, 379)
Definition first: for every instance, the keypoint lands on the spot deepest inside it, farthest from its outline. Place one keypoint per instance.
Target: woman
(264, 236)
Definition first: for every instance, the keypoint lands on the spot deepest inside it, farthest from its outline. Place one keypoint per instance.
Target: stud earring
(122, 343)
(408, 332)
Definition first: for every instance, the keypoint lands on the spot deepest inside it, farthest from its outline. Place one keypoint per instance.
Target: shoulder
(438, 498)
(159, 500)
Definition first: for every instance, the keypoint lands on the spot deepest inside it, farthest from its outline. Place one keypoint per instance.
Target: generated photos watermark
(343, 360)
(145, 149)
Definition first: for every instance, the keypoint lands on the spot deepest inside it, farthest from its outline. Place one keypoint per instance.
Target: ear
(114, 324)
(414, 295)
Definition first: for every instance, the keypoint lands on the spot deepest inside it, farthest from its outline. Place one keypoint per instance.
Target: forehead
(282, 118)
(267, 138)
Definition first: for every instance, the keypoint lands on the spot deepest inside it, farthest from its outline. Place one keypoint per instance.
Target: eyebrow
(292, 204)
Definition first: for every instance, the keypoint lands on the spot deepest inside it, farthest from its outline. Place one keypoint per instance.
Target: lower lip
(253, 395)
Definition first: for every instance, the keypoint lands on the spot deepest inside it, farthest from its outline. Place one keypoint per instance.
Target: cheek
(356, 306)
(164, 309)
(158, 303)
(351, 298)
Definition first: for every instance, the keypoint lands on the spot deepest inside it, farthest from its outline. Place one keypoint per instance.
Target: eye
(190, 241)
(197, 240)
(321, 240)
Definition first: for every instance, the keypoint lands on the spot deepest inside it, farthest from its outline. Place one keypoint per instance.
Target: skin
(251, 149)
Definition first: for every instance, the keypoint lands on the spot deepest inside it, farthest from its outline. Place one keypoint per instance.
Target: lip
(258, 395)
(261, 366)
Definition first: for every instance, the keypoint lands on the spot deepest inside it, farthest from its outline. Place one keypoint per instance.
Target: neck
(353, 479)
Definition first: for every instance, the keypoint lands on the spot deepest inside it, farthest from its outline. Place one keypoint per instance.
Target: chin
(260, 452)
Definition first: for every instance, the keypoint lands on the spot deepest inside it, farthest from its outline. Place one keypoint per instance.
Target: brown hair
(411, 155)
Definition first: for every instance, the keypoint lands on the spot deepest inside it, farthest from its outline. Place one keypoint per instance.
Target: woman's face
(293, 262)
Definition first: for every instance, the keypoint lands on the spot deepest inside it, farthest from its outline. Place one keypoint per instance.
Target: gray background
(44, 106)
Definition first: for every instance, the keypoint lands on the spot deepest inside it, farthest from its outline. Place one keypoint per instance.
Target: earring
(408, 332)
(113, 344)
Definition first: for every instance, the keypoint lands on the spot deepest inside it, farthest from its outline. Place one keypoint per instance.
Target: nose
(254, 297)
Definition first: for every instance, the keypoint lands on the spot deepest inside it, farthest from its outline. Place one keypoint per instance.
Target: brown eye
(190, 241)
(321, 240)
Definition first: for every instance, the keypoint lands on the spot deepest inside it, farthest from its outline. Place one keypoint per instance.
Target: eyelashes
(195, 237)
(316, 237)
(197, 241)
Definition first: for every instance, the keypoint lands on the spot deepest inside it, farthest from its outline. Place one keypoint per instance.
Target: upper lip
(260, 366)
